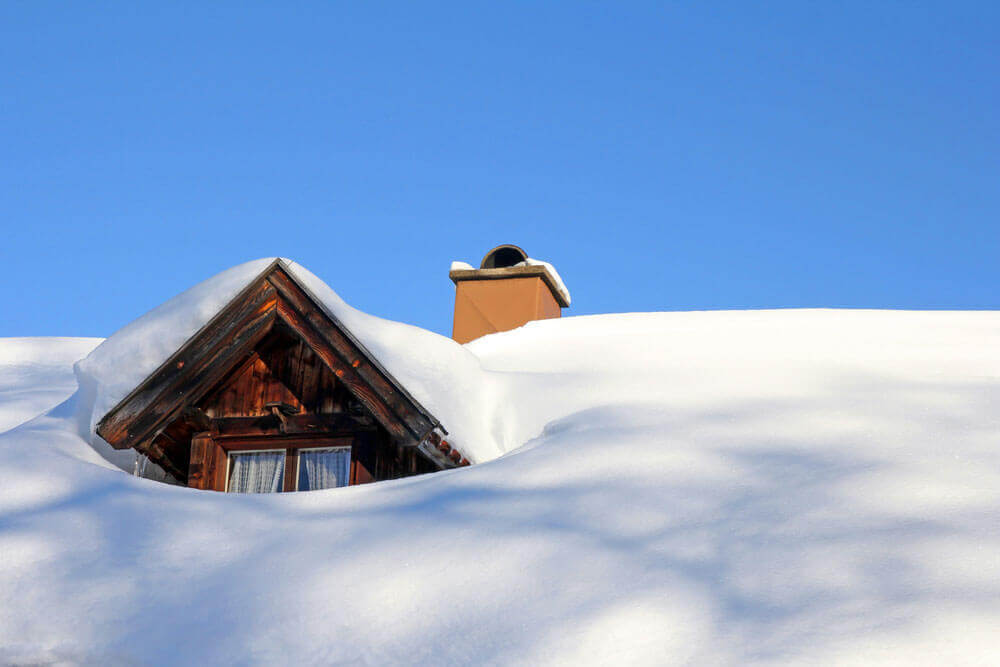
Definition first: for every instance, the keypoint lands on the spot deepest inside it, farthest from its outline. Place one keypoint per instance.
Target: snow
(560, 285)
(438, 373)
(132, 353)
(37, 374)
(754, 487)
(442, 375)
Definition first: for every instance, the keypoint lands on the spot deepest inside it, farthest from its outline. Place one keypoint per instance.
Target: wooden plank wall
(284, 369)
(281, 370)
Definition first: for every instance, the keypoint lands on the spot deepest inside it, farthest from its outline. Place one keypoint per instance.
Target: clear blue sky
(662, 156)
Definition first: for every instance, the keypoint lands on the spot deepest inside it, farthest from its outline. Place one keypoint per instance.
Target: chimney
(508, 290)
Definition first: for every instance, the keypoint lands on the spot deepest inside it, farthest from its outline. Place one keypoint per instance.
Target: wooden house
(275, 394)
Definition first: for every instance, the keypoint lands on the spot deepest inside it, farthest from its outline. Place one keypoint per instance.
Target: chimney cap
(509, 261)
(503, 256)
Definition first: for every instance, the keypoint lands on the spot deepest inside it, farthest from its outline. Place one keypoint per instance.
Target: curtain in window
(256, 472)
(324, 468)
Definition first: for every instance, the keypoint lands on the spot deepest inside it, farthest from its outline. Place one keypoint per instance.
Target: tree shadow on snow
(752, 531)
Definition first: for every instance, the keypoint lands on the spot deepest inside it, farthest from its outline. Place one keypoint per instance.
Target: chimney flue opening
(503, 256)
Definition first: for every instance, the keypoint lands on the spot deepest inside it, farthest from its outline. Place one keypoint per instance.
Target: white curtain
(256, 472)
(324, 468)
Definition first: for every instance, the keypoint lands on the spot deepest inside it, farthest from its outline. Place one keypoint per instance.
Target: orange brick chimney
(508, 290)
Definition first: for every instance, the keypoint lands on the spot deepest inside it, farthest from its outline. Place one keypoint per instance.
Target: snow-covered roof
(435, 370)
(779, 487)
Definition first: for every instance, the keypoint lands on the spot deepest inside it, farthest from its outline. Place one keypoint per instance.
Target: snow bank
(814, 487)
(36, 374)
(441, 374)
(438, 372)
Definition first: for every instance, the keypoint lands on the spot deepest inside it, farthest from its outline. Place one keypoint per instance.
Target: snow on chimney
(508, 290)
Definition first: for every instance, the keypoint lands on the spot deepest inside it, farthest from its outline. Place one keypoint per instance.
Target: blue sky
(663, 156)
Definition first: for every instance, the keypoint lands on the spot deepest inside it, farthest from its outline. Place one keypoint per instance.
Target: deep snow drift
(36, 374)
(701, 488)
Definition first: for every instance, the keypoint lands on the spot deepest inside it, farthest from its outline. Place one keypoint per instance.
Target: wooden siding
(285, 370)
(273, 363)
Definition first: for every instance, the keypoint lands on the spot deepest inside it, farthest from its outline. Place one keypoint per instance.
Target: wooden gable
(273, 353)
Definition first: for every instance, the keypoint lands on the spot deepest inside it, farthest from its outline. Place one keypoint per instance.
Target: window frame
(229, 461)
(291, 446)
(334, 448)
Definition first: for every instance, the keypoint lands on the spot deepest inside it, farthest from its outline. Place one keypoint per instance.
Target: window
(263, 471)
(256, 472)
(324, 468)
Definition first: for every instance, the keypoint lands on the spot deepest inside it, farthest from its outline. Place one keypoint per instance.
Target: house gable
(189, 387)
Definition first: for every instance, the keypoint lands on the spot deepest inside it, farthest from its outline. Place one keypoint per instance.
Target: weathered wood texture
(271, 366)
(202, 457)
(285, 370)
(351, 363)
(195, 368)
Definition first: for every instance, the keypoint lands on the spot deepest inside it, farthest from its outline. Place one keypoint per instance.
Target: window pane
(324, 468)
(256, 472)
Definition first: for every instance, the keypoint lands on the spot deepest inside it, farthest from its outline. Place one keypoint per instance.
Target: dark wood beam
(202, 451)
(188, 375)
(158, 455)
(345, 373)
(349, 362)
(196, 418)
(294, 425)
